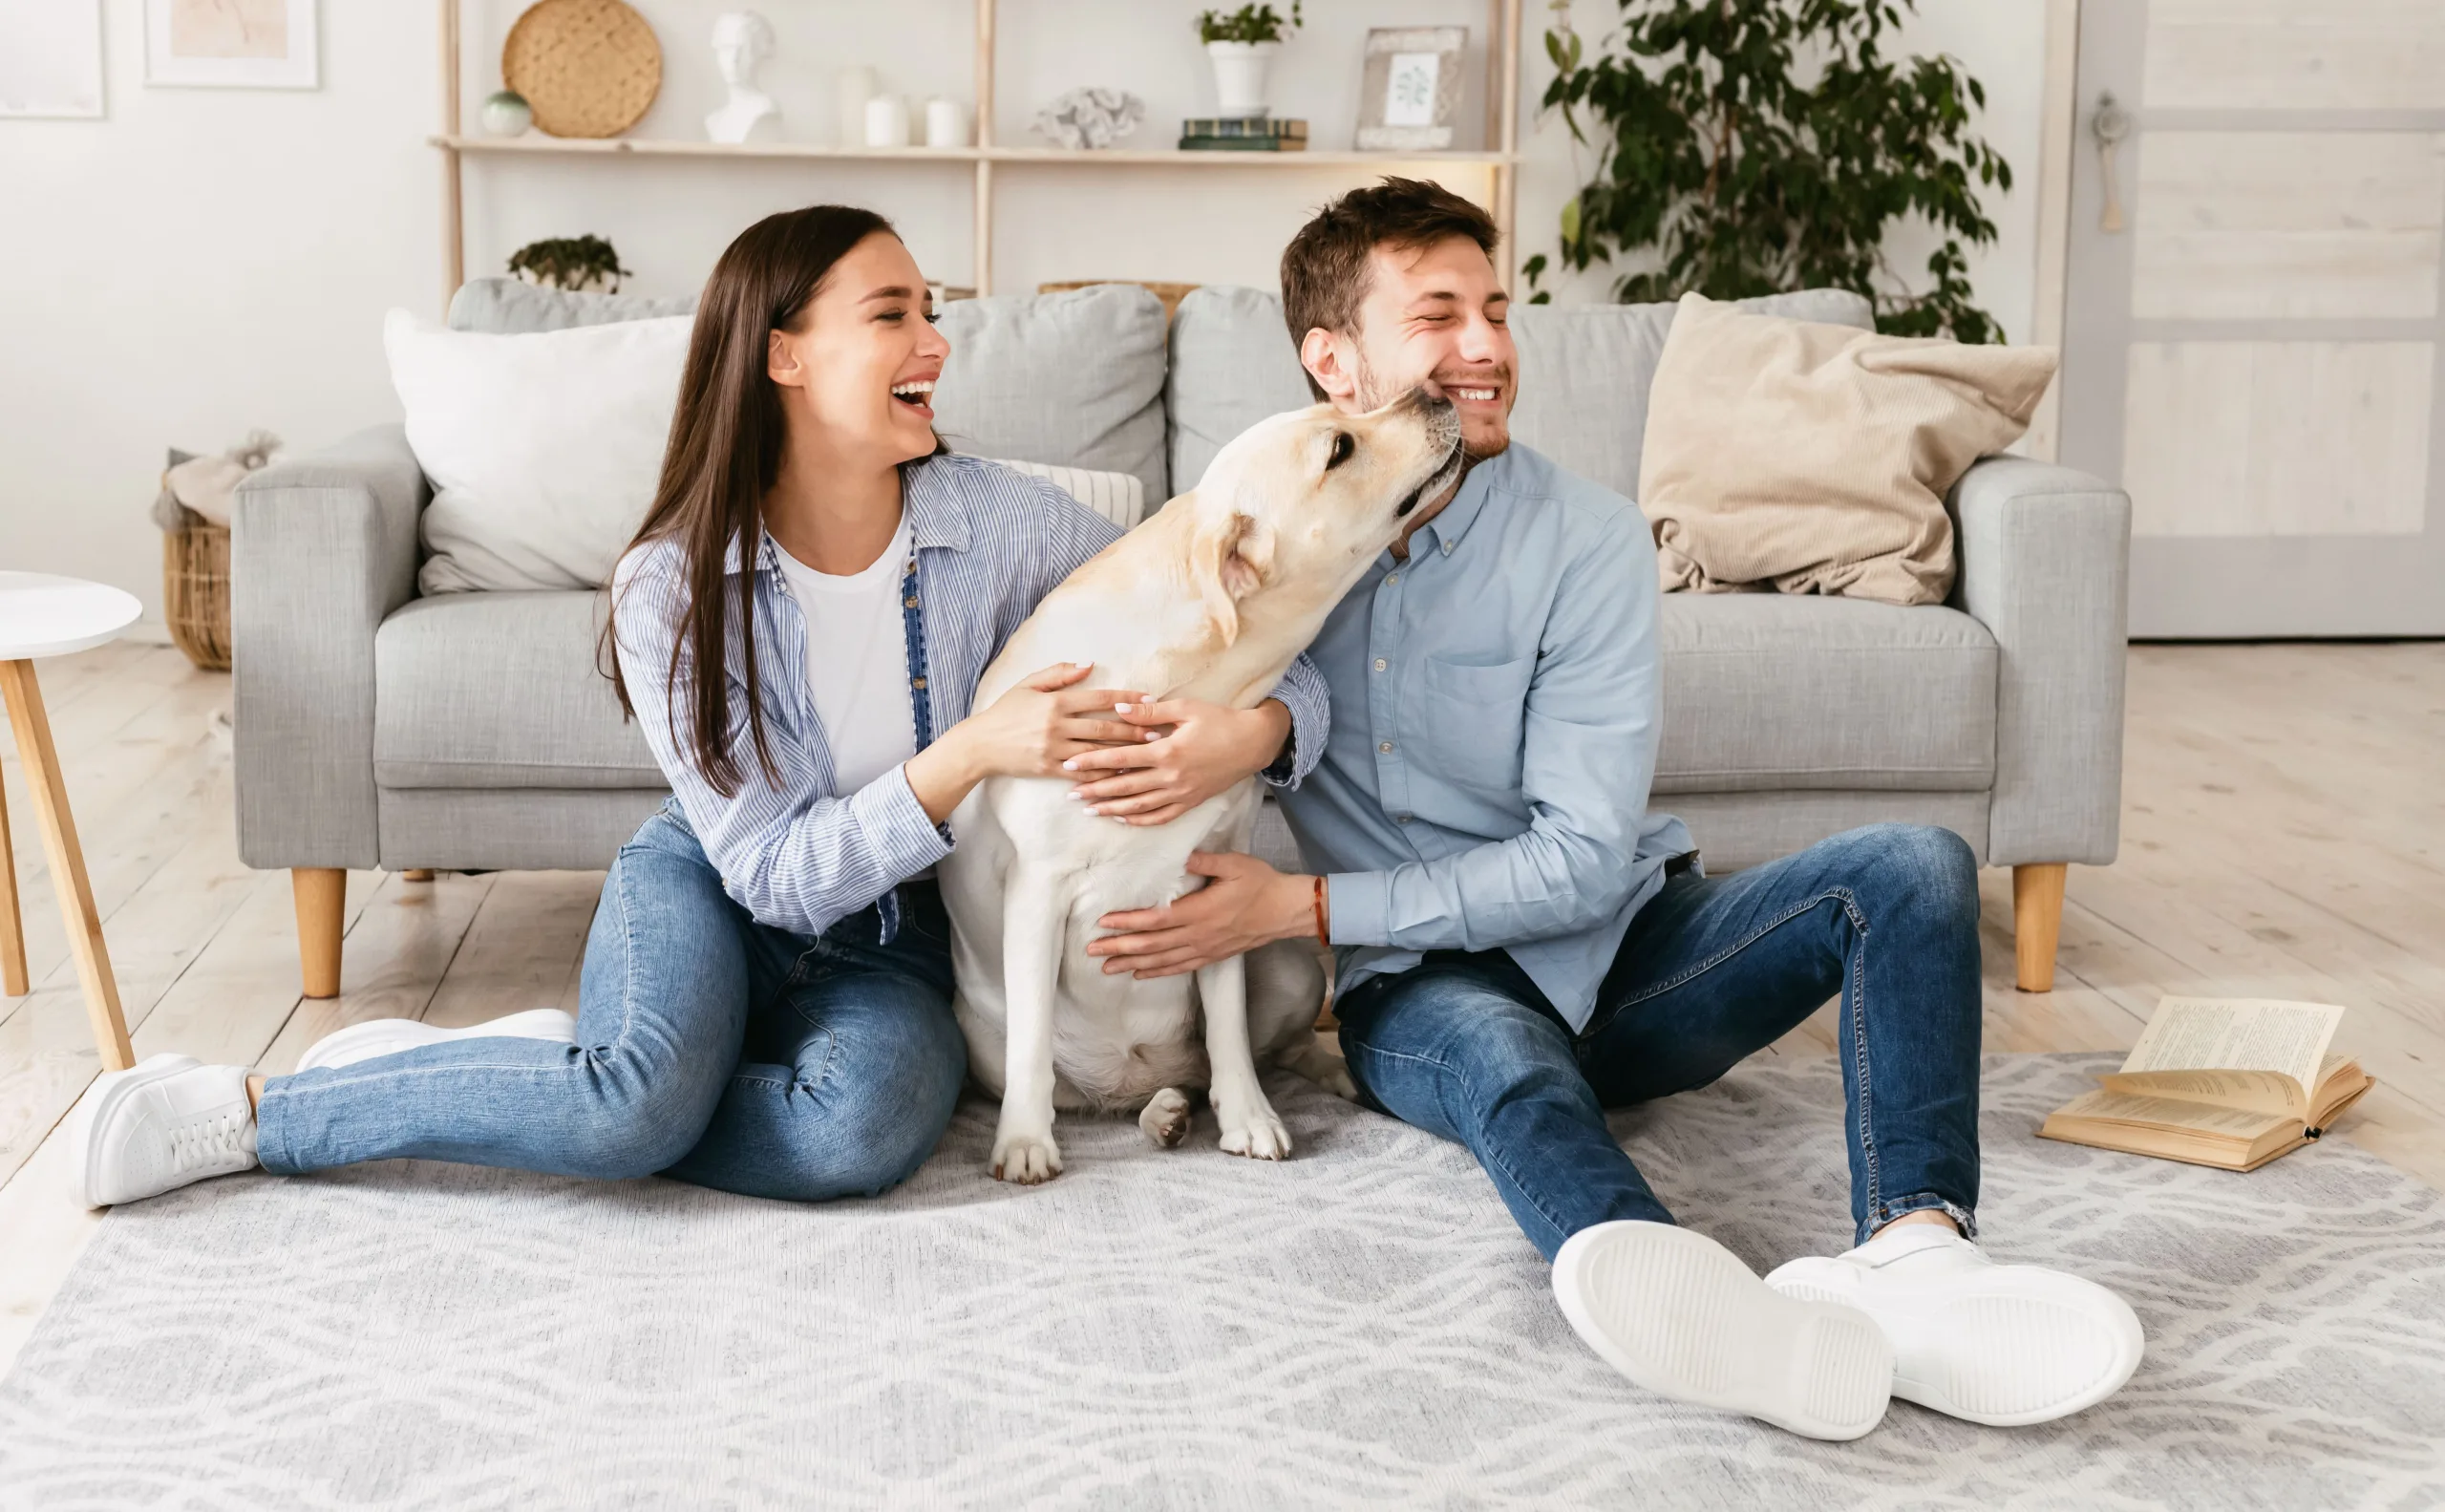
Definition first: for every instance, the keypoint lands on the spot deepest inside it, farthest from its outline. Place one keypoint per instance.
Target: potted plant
(580, 265)
(1768, 145)
(1242, 43)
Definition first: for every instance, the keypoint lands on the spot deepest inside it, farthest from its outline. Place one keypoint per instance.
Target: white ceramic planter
(1240, 70)
(507, 114)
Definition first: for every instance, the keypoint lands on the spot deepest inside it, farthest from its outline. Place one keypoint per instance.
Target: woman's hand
(1189, 752)
(1030, 730)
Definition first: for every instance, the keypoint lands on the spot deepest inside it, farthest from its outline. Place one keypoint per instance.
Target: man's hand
(1191, 751)
(1247, 904)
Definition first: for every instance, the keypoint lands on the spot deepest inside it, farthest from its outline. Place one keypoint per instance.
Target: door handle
(2109, 126)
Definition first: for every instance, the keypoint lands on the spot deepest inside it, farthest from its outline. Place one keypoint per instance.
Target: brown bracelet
(1324, 936)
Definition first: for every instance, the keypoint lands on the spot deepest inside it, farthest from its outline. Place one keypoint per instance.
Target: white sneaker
(2001, 1345)
(169, 1121)
(388, 1036)
(1681, 1315)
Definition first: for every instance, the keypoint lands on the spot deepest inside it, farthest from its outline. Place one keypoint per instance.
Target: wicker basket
(195, 591)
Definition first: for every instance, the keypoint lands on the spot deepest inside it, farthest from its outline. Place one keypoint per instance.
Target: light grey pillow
(1233, 363)
(510, 307)
(1583, 373)
(1073, 379)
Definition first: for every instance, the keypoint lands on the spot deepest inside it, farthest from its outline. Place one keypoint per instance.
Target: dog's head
(1303, 502)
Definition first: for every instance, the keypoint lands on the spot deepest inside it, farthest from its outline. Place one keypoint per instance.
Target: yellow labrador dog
(1211, 599)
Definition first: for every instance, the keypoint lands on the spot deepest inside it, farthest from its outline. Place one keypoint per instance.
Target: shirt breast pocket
(1474, 714)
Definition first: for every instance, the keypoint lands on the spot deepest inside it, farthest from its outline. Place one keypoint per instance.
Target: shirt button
(1385, 748)
(1394, 577)
(1400, 818)
(1380, 664)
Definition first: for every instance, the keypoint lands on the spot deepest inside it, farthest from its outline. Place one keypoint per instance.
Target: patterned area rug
(1361, 1326)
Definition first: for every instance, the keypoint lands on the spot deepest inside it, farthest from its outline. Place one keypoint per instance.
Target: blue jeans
(1465, 1046)
(710, 1048)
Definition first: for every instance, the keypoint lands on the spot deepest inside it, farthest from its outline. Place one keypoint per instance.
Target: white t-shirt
(857, 661)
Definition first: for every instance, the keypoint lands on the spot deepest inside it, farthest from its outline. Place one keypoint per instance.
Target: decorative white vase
(1240, 70)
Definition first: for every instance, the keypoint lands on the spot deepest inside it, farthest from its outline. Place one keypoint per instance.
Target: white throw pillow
(1118, 496)
(543, 449)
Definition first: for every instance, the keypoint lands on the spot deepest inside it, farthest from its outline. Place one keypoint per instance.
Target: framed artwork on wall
(232, 44)
(50, 58)
(1412, 87)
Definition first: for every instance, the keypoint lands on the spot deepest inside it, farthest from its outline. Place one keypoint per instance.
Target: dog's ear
(1228, 557)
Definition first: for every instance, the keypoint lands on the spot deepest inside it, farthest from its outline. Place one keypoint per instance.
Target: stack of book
(1242, 133)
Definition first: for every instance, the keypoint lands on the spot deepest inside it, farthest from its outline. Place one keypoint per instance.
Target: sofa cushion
(1765, 690)
(501, 691)
(1075, 379)
(1233, 363)
(1583, 373)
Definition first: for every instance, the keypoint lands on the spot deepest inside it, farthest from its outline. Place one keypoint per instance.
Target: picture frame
(50, 60)
(1411, 89)
(232, 44)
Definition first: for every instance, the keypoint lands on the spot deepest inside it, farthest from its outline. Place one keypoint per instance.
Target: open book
(2225, 1081)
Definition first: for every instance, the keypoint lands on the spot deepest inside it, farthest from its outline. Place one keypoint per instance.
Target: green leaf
(1724, 166)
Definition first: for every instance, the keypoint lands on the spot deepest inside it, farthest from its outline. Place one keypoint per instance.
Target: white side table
(43, 615)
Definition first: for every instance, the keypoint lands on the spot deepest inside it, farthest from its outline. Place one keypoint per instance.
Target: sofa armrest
(2045, 566)
(322, 549)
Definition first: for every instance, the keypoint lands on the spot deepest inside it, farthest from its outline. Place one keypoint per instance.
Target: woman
(766, 1001)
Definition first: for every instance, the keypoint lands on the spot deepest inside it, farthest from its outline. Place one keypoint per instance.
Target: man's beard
(1371, 396)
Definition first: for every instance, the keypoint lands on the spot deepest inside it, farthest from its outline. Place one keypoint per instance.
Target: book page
(2235, 1033)
(2258, 1091)
(2171, 1113)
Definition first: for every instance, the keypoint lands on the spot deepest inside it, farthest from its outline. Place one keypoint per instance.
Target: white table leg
(76, 909)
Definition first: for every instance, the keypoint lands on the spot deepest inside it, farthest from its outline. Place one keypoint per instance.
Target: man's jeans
(1464, 1044)
(710, 1048)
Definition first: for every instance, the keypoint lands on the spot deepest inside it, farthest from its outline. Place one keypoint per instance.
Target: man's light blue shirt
(1495, 704)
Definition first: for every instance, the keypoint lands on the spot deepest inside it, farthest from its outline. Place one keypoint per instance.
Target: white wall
(205, 261)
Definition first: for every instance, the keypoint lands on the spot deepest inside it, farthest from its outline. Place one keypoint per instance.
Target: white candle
(887, 121)
(854, 86)
(946, 122)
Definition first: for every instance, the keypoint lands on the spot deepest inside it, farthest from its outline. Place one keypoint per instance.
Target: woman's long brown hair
(724, 457)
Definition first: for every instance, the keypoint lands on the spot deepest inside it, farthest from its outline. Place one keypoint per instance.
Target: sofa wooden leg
(322, 905)
(2038, 923)
(416, 874)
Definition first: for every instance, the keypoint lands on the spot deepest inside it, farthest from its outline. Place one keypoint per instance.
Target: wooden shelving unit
(1502, 128)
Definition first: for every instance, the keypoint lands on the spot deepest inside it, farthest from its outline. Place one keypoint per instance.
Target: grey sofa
(379, 728)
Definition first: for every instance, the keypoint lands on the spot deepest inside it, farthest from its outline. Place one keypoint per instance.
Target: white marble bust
(741, 40)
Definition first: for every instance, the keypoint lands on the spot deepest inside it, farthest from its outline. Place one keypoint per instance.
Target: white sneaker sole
(100, 1100)
(1682, 1316)
(388, 1036)
(2023, 1345)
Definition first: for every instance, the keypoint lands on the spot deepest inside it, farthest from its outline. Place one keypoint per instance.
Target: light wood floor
(2283, 836)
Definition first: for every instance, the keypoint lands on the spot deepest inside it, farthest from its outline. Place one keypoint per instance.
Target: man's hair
(1324, 268)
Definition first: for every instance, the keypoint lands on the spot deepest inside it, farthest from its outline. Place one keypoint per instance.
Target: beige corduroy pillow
(1815, 458)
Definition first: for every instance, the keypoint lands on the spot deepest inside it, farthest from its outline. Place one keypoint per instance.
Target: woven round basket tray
(589, 68)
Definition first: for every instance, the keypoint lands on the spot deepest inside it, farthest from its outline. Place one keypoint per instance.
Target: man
(1522, 944)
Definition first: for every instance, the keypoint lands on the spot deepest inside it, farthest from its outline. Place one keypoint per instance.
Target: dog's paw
(1253, 1130)
(1030, 1159)
(1166, 1117)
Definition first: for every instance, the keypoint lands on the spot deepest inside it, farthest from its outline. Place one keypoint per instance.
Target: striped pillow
(1118, 496)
